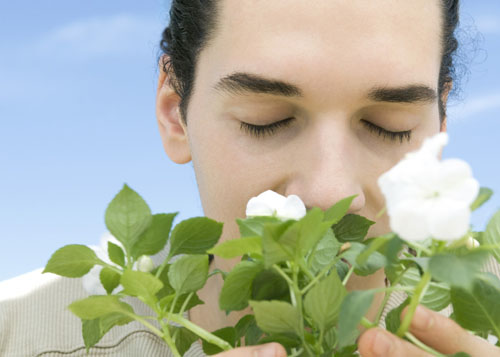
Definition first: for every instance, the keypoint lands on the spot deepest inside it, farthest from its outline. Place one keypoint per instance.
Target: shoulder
(35, 321)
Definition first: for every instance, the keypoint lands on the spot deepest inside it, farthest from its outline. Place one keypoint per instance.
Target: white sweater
(34, 321)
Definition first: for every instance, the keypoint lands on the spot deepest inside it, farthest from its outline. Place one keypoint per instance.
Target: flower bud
(472, 243)
(145, 264)
(345, 246)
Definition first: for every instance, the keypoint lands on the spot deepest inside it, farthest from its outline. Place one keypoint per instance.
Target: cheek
(227, 175)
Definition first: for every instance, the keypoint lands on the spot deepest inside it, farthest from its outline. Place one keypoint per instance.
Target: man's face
(332, 56)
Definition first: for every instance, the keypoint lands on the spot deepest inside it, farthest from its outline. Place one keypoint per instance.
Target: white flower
(426, 197)
(270, 203)
(91, 282)
(145, 264)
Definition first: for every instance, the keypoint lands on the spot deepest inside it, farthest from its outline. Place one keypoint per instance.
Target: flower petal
(265, 204)
(434, 144)
(293, 208)
(456, 181)
(257, 207)
(449, 219)
(408, 220)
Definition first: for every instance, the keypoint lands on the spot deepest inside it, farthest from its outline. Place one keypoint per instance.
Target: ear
(173, 131)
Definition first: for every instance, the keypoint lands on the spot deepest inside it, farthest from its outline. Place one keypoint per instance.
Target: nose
(327, 166)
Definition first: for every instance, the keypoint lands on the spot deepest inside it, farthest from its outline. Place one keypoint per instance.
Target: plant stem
(202, 333)
(348, 275)
(145, 323)
(388, 295)
(298, 300)
(283, 274)
(423, 346)
(186, 302)
(168, 339)
(319, 276)
(417, 247)
(296, 353)
(415, 300)
(367, 323)
(306, 270)
(160, 269)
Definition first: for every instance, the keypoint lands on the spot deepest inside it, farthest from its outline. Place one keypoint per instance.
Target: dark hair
(193, 24)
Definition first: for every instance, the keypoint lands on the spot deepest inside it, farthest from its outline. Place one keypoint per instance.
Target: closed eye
(392, 135)
(260, 131)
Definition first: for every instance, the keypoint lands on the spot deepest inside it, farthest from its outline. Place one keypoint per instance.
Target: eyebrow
(239, 83)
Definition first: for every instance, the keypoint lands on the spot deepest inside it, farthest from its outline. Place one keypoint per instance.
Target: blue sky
(77, 90)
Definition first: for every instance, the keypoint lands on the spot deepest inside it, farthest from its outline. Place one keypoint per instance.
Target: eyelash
(392, 135)
(260, 131)
(264, 130)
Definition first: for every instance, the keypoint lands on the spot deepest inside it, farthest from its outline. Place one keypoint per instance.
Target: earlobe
(173, 131)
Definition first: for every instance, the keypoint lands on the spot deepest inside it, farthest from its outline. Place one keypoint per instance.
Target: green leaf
(72, 261)
(373, 245)
(325, 252)
(253, 334)
(166, 302)
(237, 247)
(393, 318)
(276, 317)
(242, 325)
(116, 254)
(352, 228)
(479, 308)
(91, 332)
(458, 271)
(247, 327)
(491, 235)
(183, 338)
(153, 239)
(237, 288)
(342, 269)
(114, 319)
(374, 262)
(269, 285)
(303, 235)
(353, 308)
(287, 341)
(194, 236)
(228, 334)
(167, 289)
(94, 330)
(141, 284)
(189, 273)
(335, 213)
(483, 196)
(97, 306)
(254, 226)
(437, 295)
(273, 251)
(109, 279)
(293, 239)
(127, 216)
(322, 302)
(330, 339)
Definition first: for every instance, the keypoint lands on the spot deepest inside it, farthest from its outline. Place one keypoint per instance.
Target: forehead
(320, 42)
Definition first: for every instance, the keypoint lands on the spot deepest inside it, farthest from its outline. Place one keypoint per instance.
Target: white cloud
(120, 34)
(474, 107)
(488, 24)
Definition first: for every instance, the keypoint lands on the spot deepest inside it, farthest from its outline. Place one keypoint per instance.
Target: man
(314, 98)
